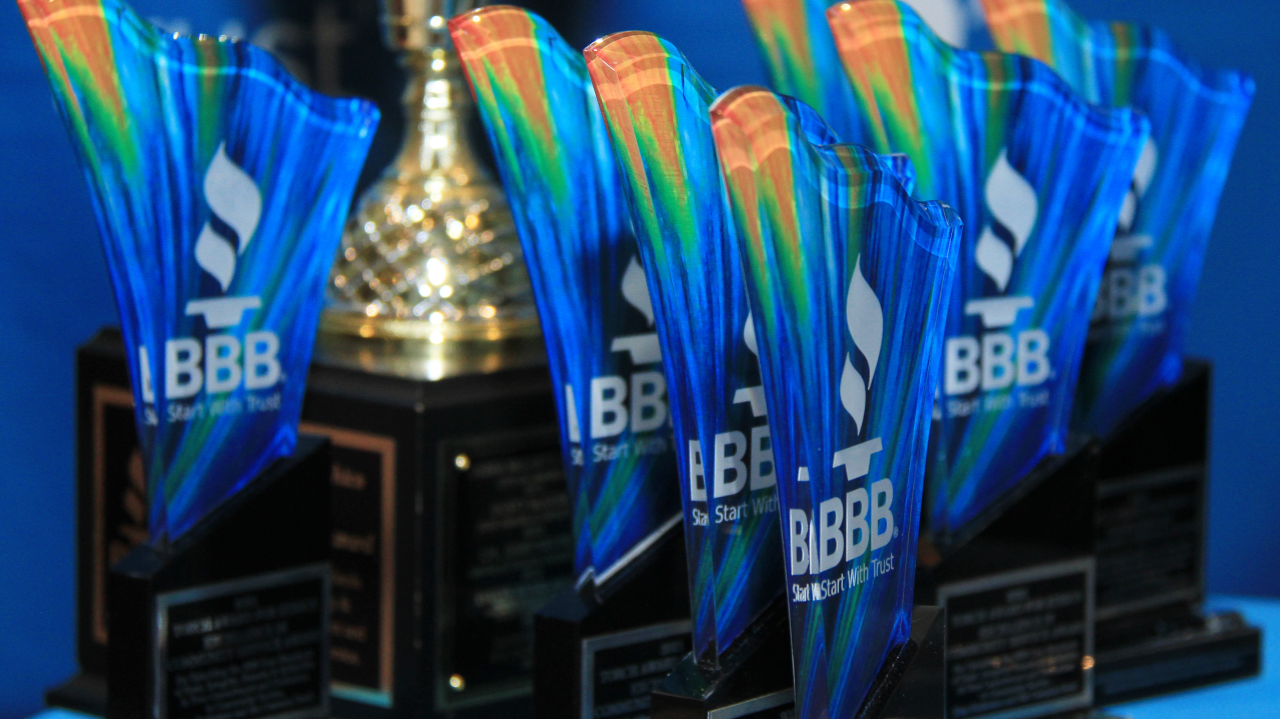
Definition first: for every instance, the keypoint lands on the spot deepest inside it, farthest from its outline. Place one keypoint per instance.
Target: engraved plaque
(619, 671)
(1020, 644)
(510, 552)
(245, 649)
(1150, 540)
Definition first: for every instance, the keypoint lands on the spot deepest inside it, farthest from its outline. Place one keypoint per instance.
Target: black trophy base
(598, 654)
(1018, 595)
(1153, 637)
(757, 681)
(1214, 649)
(232, 618)
(85, 693)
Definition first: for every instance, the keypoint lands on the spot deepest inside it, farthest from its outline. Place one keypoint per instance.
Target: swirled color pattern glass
(1143, 313)
(553, 153)
(220, 186)
(1039, 177)
(850, 283)
(657, 108)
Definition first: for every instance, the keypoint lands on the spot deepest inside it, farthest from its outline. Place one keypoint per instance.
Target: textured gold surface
(421, 24)
(431, 252)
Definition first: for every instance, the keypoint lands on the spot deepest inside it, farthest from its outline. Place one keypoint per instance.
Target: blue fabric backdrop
(54, 295)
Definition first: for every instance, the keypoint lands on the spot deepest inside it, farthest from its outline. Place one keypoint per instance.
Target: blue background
(54, 295)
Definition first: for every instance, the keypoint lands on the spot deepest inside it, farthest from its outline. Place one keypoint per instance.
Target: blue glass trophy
(1150, 406)
(542, 119)
(217, 181)
(563, 181)
(220, 185)
(850, 280)
(1143, 313)
(1039, 177)
(657, 107)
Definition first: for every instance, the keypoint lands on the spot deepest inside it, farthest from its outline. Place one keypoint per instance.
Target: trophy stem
(437, 108)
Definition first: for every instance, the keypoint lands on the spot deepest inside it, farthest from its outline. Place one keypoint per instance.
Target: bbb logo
(226, 361)
(845, 529)
(998, 359)
(1131, 288)
(737, 461)
(638, 401)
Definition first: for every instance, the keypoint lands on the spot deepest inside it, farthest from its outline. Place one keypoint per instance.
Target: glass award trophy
(850, 283)
(218, 184)
(1039, 178)
(1143, 312)
(450, 522)
(1037, 208)
(630, 608)
(657, 109)
(1150, 406)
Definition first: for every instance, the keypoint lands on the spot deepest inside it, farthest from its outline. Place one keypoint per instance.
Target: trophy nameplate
(1020, 621)
(1018, 588)
(288, 607)
(617, 668)
(232, 616)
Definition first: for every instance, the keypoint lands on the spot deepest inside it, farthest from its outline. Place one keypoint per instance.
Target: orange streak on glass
(75, 31)
(1022, 26)
(501, 39)
(634, 85)
(875, 66)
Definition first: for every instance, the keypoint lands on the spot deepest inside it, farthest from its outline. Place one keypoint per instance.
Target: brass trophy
(451, 520)
(430, 280)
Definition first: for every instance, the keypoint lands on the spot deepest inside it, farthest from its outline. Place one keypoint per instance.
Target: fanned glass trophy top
(849, 280)
(800, 55)
(1141, 320)
(553, 152)
(657, 109)
(1039, 177)
(220, 186)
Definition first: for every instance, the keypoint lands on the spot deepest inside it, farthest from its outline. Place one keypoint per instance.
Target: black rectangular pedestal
(757, 682)
(1019, 598)
(602, 656)
(1153, 638)
(451, 527)
(231, 619)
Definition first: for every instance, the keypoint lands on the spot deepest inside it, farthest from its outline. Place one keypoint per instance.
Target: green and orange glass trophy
(219, 185)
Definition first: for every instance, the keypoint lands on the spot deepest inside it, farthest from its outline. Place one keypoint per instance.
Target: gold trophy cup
(430, 279)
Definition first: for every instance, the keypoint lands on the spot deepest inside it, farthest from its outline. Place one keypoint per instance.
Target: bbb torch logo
(617, 403)
(845, 530)
(1130, 288)
(998, 359)
(739, 463)
(225, 360)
